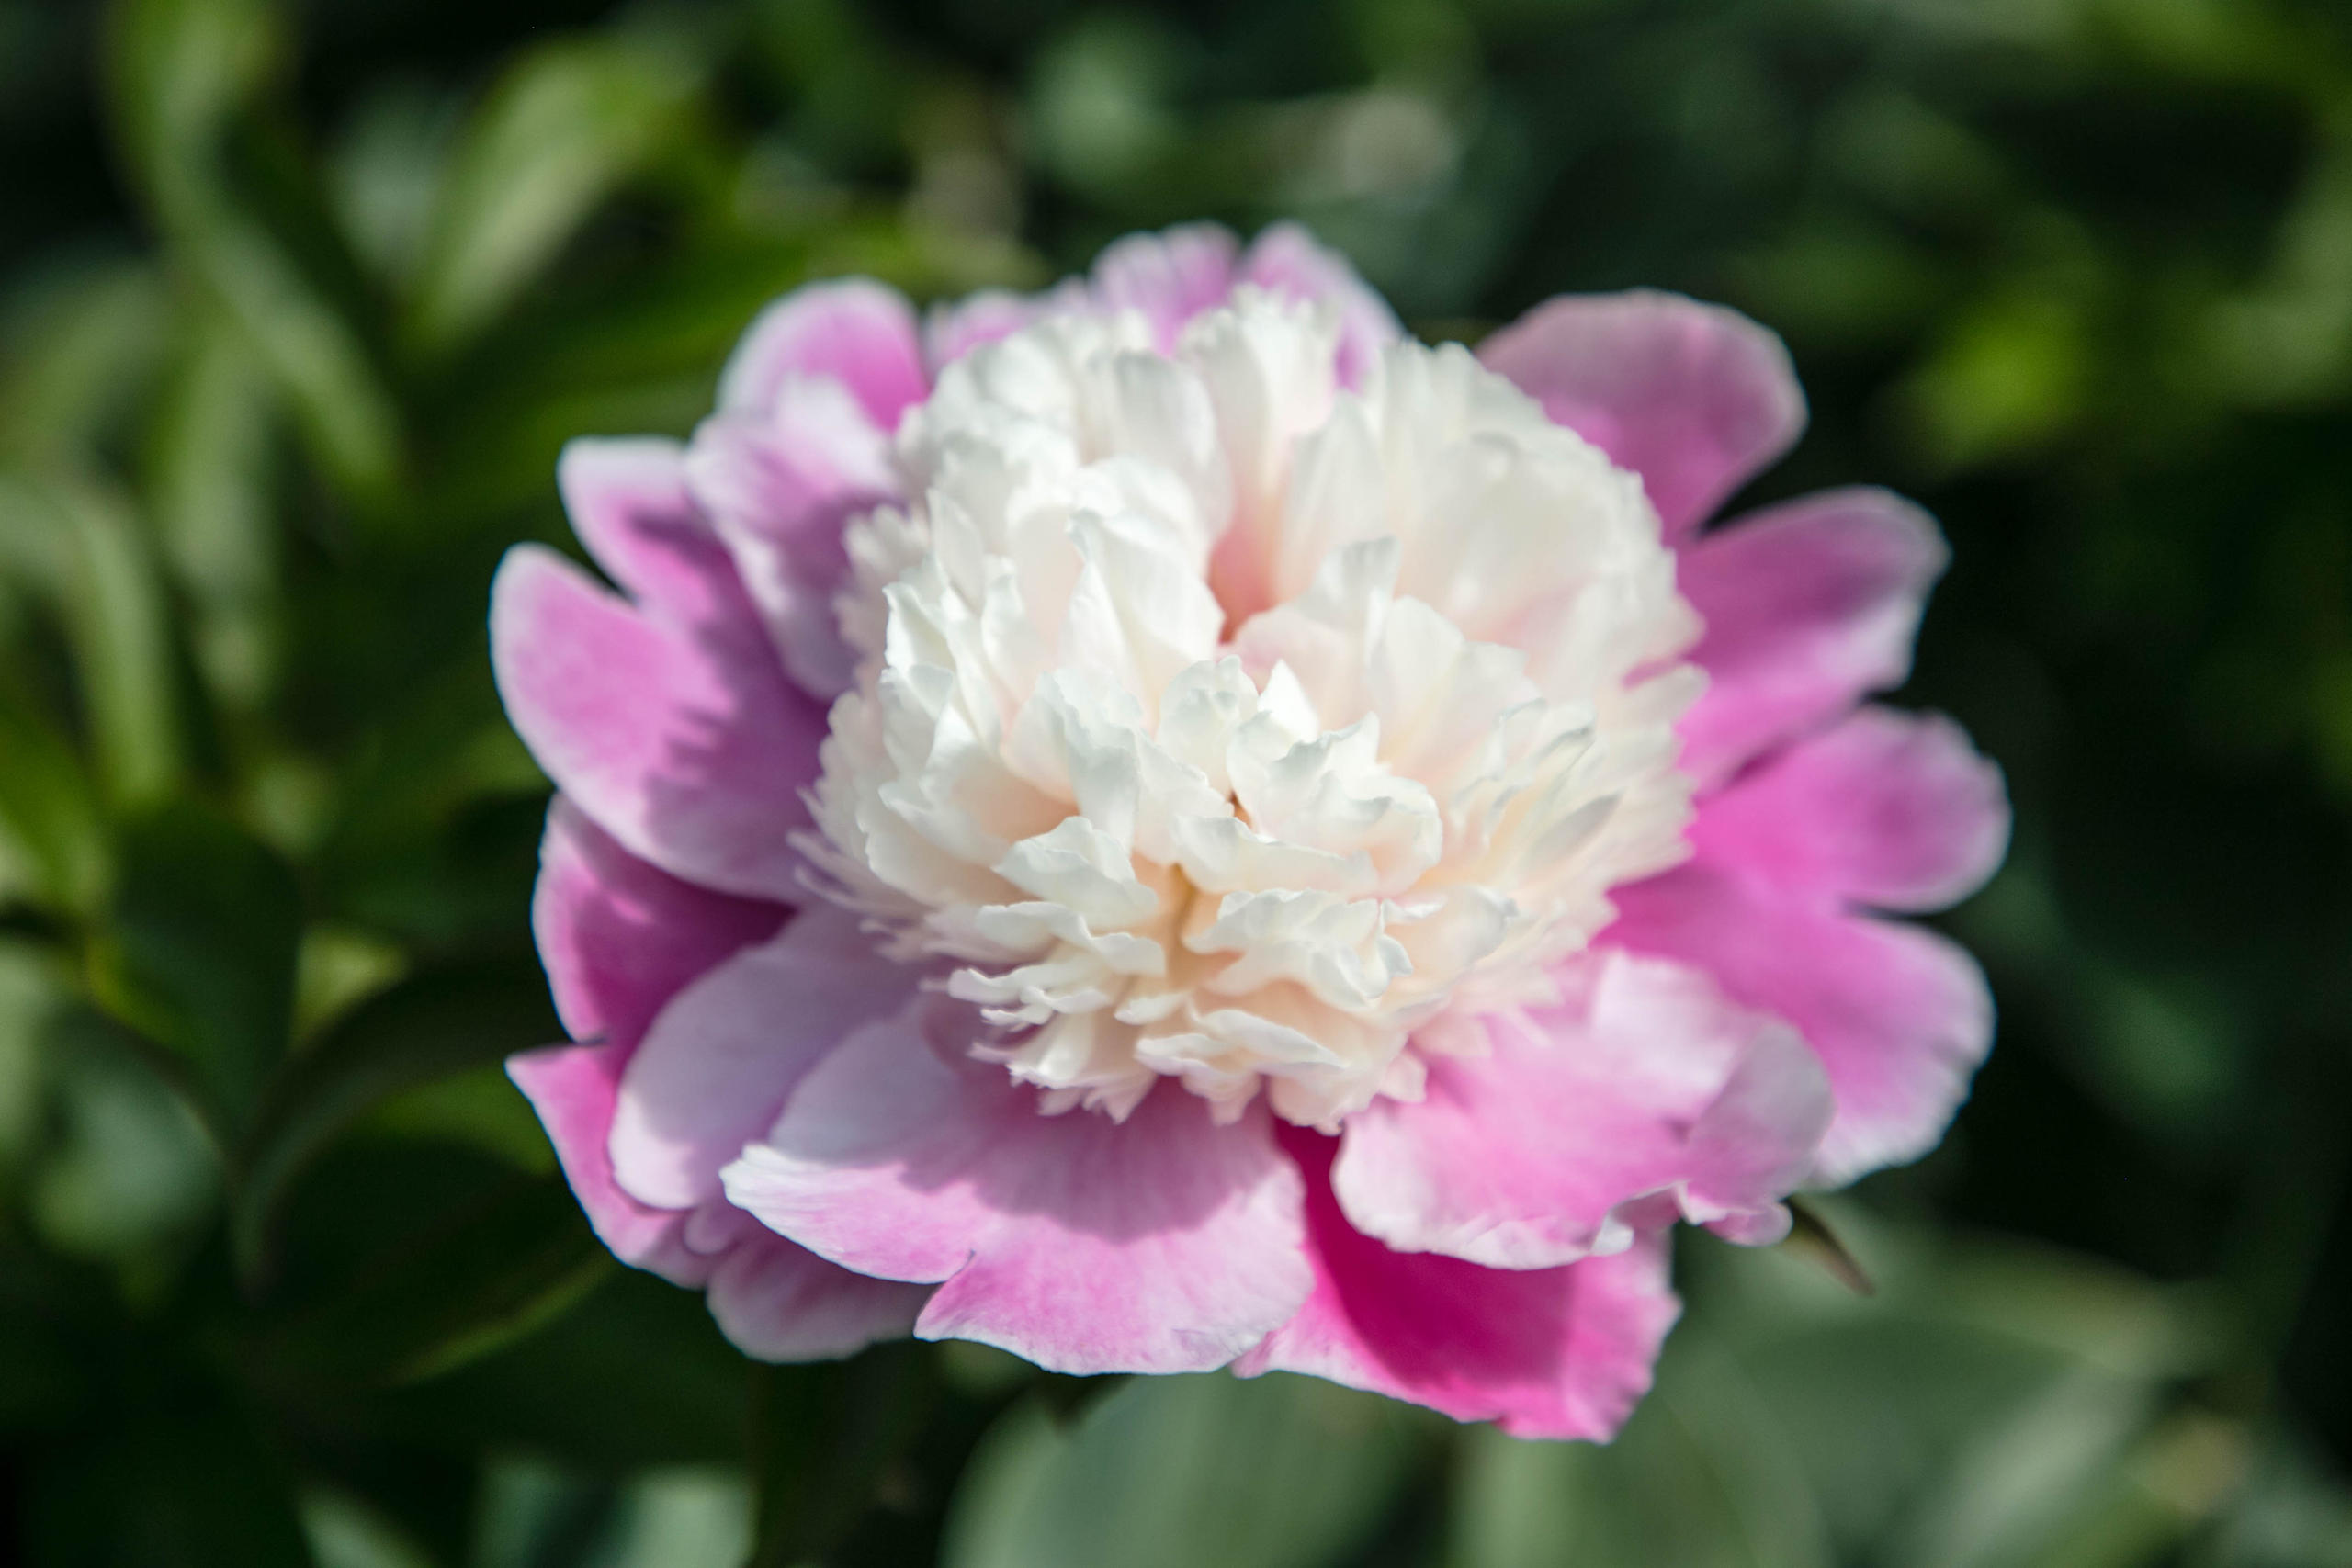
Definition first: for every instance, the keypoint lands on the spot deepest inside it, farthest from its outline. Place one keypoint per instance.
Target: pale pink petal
(1696, 398)
(688, 745)
(1165, 1243)
(860, 333)
(1893, 810)
(1899, 1016)
(1285, 259)
(716, 1067)
(1170, 276)
(1809, 606)
(1562, 1352)
(776, 1301)
(778, 484)
(1643, 1094)
(953, 328)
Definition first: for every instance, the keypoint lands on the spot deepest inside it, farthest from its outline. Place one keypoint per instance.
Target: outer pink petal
(1643, 1094)
(1809, 606)
(1165, 1243)
(778, 484)
(628, 503)
(688, 745)
(1170, 276)
(1286, 260)
(1547, 1353)
(860, 333)
(776, 1301)
(1899, 1016)
(1893, 810)
(716, 1067)
(1693, 398)
(618, 938)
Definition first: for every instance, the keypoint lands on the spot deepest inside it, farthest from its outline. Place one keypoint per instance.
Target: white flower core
(1214, 722)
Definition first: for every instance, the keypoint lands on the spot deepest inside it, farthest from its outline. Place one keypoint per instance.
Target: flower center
(1215, 722)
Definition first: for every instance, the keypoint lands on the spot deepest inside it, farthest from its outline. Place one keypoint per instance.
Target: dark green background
(297, 304)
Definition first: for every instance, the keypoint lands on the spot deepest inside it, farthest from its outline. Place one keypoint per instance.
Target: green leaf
(181, 1485)
(79, 542)
(567, 126)
(485, 1276)
(50, 837)
(1703, 1476)
(1169, 1473)
(208, 484)
(431, 1026)
(181, 72)
(824, 1436)
(198, 952)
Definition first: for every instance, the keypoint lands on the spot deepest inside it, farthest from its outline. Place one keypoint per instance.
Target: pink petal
(1696, 398)
(1561, 1352)
(571, 1087)
(1165, 1243)
(619, 938)
(860, 333)
(1893, 810)
(778, 484)
(628, 503)
(1808, 607)
(1286, 259)
(952, 329)
(1643, 1094)
(716, 1067)
(1899, 1016)
(1170, 276)
(688, 745)
(776, 1301)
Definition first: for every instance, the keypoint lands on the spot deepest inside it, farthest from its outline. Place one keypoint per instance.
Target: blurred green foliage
(297, 304)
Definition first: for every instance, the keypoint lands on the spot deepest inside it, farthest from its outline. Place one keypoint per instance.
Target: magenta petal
(860, 333)
(717, 1064)
(1899, 1016)
(1170, 276)
(1893, 810)
(1645, 1083)
(1694, 397)
(1809, 606)
(620, 937)
(1561, 1352)
(689, 747)
(1164, 1244)
(1285, 259)
(776, 1301)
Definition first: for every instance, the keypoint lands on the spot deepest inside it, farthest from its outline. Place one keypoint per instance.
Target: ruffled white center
(1212, 722)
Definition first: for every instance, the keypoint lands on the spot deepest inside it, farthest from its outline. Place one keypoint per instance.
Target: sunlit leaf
(181, 72)
(1271, 1472)
(567, 126)
(87, 549)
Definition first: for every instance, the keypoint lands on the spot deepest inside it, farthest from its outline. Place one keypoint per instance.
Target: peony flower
(1165, 825)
